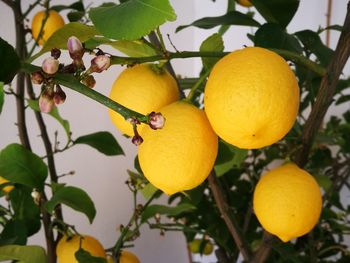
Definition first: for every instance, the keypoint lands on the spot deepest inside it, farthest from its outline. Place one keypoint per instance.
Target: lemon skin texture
(52, 24)
(66, 248)
(143, 90)
(128, 257)
(179, 156)
(287, 202)
(251, 98)
(8, 188)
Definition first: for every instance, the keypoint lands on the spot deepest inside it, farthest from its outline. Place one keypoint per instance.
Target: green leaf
(75, 16)
(152, 210)
(102, 141)
(136, 48)
(1, 95)
(277, 11)
(8, 57)
(14, 233)
(324, 181)
(212, 43)
(84, 256)
(25, 254)
(75, 198)
(133, 19)
(342, 99)
(60, 37)
(272, 35)
(75, 6)
(148, 191)
(18, 165)
(231, 18)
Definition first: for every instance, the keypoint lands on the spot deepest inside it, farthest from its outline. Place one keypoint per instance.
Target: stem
(161, 40)
(197, 85)
(328, 21)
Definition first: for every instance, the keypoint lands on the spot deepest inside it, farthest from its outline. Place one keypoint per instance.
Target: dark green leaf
(324, 181)
(60, 37)
(228, 157)
(133, 19)
(272, 35)
(8, 57)
(14, 232)
(212, 43)
(342, 99)
(75, 6)
(75, 198)
(25, 254)
(75, 16)
(152, 210)
(1, 95)
(277, 11)
(231, 18)
(103, 141)
(332, 27)
(18, 165)
(84, 256)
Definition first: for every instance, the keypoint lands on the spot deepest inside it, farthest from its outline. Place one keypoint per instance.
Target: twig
(328, 21)
(10, 3)
(197, 85)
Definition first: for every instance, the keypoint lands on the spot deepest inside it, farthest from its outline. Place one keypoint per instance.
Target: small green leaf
(152, 210)
(133, 19)
(212, 43)
(75, 198)
(342, 99)
(324, 181)
(75, 6)
(102, 141)
(75, 16)
(1, 95)
(136, 48)
(60, 37)
(8, 57)
(84, 256)
(148, 191)
(18, 165)
(231, 18)
(277, 11)
(25, 254)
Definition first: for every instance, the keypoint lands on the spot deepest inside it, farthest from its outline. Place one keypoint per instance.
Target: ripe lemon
(143, 90)
(53, 23)
(287, 202)
(251, 98)
(67, 247)
(179, 156)
(245, 3)
(128, 257)
(8, 188)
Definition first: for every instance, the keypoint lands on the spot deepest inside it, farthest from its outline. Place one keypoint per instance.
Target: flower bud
(37, 77)
(137, 140)
(100, 63)
(36, 196)
(50, 65)
(156, 120)
(75, 48)
(55, 53)
(59, 95)
(89, 81)
(133, 121)
(46, 102)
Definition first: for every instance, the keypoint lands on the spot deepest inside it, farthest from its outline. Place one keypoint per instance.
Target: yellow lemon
(181, 155)
(245, 3)
(8, 188)
(251, 98)
(67, 247)
(287, 202)
(143, 90)
(128, 257)
(53, 22)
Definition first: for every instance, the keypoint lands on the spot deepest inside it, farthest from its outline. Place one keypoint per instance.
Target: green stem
(161, 40)
(197, 85)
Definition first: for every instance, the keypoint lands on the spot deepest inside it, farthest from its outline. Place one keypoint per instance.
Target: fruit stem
(197, 85)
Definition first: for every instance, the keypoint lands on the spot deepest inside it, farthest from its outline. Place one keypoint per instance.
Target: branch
(10, 3)
(224, 209)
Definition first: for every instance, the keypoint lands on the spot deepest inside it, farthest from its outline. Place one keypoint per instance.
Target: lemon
(67, 247)
(245, 3)
(196, 244)
(8, 188)
(143, 90)
(179, 156)
(251, 98)
(128, 257)
(287, 202)
(52, 24)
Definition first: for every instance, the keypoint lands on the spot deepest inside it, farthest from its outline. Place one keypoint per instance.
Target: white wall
(103, 177)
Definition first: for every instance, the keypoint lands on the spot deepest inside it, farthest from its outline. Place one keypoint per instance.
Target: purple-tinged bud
(137, 140)
(55, 53)
(100, 63)
(133, 121)
(46, 102)
(89, 81)
(156, 120)
(37, 77)
(50, 65)
(59, 96)
(75, 48)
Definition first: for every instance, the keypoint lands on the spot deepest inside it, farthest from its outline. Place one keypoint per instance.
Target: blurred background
(102, 177)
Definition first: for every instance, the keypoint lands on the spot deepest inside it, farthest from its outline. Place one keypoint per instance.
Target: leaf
(272, 35)
(212, 43)
(231, 18)
(60, 37)
(14, 232)
(1, 95)
(102, 141)
(324, 181)
(8, 57)
(75, 16)
(25, 254)
(75, 6)
(34, 104)
(18, 165)
(84, 256)
(136, 48)
(342, 99)
(148, 191)
(277, 11)
(133, 19)
(152, 210)
(75, 198)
